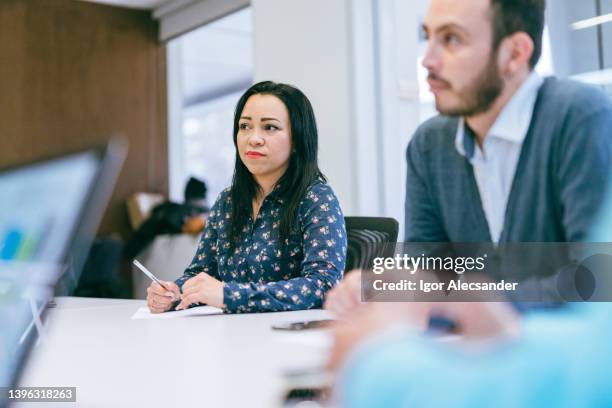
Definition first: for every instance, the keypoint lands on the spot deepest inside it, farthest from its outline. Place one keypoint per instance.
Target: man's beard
(480, 95)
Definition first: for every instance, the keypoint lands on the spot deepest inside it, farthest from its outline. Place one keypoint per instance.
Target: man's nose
(431, 59)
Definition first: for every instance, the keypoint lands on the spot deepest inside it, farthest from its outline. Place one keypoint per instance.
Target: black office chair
(368, 238)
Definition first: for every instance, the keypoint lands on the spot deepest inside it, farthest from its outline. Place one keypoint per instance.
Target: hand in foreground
(370, 319)
(202, 288)
(159, 299)
(480, 320)
(345, 298)
(484, 321)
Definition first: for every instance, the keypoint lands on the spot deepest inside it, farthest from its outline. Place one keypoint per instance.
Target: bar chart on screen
(22, 242)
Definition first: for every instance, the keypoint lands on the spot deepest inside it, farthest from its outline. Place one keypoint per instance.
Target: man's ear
(515, 52)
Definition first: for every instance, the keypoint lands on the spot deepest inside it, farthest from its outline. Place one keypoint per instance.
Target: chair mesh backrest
(363, 246)
(368, 238)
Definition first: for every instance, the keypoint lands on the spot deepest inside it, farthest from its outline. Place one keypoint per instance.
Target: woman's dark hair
(302, 169)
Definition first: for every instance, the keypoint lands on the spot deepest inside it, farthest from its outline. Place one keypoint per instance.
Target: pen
(150, 275)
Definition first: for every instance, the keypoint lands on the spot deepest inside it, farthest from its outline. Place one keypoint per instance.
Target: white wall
(408, 16)
(306, 44)
(397, 52)
(176, 173)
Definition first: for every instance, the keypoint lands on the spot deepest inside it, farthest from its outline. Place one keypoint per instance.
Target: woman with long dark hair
(275, 240)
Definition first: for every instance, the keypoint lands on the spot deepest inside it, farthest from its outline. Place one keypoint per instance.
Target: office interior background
(166, 75)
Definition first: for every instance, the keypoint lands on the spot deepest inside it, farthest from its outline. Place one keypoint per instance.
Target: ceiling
(136, 4)
(217, 59)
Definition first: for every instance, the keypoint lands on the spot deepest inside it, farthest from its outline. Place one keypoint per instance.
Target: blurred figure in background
(172, 218)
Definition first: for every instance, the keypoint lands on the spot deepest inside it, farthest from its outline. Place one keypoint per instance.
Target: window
(209, 68)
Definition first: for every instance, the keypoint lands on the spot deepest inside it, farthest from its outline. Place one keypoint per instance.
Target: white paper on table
(144, 313)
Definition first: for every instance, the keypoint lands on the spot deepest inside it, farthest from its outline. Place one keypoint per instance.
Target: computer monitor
(49, 213)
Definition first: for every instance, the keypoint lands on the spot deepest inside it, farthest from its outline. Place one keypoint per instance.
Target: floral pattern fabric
(260, 275)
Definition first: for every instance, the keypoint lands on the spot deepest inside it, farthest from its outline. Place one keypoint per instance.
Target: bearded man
(512, 157)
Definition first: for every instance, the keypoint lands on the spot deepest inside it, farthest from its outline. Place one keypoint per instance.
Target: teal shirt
(564, 359)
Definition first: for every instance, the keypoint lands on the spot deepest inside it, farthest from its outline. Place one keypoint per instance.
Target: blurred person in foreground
(560, 359)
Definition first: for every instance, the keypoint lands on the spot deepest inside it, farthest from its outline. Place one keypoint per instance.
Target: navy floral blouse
(261, 276)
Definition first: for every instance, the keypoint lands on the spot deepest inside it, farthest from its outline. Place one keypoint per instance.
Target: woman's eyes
(267, 127)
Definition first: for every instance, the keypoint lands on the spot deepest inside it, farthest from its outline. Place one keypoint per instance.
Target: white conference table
(196, 361)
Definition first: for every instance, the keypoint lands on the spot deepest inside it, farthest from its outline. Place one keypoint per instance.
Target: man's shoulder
(437, 132)
(573, 100)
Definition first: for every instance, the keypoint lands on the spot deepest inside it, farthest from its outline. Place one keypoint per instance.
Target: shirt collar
(275, 194)
(512, 124)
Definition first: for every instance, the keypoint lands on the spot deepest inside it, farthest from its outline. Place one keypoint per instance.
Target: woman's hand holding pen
(160, 299)
(202, 288)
